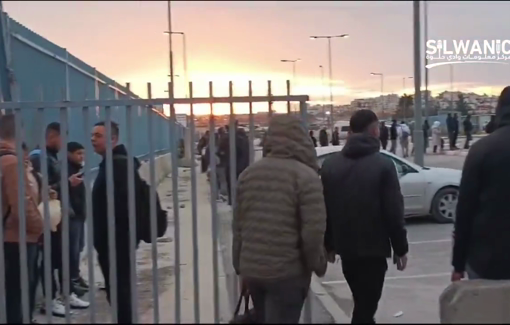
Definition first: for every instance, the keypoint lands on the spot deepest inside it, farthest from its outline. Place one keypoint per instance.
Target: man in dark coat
(323, 138)
(383, 135)
(335, 138)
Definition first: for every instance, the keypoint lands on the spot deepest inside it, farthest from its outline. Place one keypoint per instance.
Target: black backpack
(143, 210)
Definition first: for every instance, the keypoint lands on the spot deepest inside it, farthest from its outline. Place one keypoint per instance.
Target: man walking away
(404, 133)
(75, 159)
(365, 214)
(100, 215)
(10, 213)
(436, 137)
(455, 130)
(314, 140)
(393, 137)
(220, 168)
(241, 154)
(335, 138)
(468, 130)
(491, 126)
(279, 204)
(383, 135)
(481, 241)
(426, 134)
(450, 128)
(323, 138)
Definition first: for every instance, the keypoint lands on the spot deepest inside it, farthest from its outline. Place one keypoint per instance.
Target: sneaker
(57, 308)
(77, 303)
(82, 283)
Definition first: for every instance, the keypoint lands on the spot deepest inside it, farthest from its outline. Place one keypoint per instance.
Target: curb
(456, 153)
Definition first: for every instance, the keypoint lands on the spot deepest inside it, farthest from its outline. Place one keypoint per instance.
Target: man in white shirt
(404, 133)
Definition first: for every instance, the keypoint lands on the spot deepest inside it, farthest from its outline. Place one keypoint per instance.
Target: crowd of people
(324, 137)
(291, 219)
(76, 215)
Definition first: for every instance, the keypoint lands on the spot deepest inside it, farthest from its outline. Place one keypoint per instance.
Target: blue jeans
(76, 243)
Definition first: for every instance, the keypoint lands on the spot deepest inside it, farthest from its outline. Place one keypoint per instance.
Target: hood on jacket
(436, 124)
(120, 150)
(287, 138)
(503, 108)
(360, 145)
(405, 128)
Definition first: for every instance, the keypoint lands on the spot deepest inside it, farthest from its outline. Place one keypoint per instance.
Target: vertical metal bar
(418, 130)
(110, 206)
(214, 210)
(153, 222)
(132, 210)
(288, 95)
(307, 312)
(64, 193)
(22, 217)
(252, 124)
(232, 164)
(88, 212)
(270, 104)
(67, 76)
(3, 315)
(194, 208)
(43, 158)
(425, 36)
(175, 196)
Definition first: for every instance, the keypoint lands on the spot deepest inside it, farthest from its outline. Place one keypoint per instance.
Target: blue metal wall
(39, 70)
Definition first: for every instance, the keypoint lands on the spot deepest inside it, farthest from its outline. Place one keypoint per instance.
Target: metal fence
(84, 108)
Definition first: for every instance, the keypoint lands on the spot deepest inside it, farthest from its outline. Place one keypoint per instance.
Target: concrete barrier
(475, 302)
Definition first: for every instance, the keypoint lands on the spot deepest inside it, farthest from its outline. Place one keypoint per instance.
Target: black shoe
(82, 283)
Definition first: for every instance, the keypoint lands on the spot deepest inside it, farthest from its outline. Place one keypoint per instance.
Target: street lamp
(184, 56)
(170, 51)
(330, 68)
(175, 76)
(322, 88)
(382, 87)
(293, 67)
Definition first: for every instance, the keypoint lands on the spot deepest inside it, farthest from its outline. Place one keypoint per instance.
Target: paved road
(414, 292)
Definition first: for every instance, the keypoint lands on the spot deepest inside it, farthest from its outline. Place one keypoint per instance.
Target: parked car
(427, 191)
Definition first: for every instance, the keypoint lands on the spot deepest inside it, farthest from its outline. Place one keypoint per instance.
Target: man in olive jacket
(279, 223)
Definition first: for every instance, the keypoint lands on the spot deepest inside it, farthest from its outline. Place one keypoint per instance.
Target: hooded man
(393, 136)
(335, 138)
(383, 135)
(279, 204)
(365, 214)
(404, 133)
(323, 138)
(481, 241)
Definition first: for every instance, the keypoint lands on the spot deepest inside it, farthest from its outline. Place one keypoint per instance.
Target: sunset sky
(245, 40)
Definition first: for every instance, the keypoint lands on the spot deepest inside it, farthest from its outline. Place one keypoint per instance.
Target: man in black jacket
(335, 137)
(323, 137)
(100, 217)
(393, 136)
(365, 214)
(383, 135)
(241, 154)
(482, 224)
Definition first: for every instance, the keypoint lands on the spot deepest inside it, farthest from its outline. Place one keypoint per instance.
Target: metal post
(185, 61)
(404, 101)
(451, 87)
(382, 92)
(330, 85)
(425, 36)
(171, 55)
(322, 86)
(418, 132)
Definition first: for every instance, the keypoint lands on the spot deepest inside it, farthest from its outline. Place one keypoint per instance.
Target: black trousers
(124, 315)
(384, 144)
(229, 184)
(278, 301)
(13, 281)
(55, 265)
(365, 277)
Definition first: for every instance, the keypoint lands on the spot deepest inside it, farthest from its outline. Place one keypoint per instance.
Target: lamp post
(171, 55)
(293, 67)
(404, 89)
(330, 69)
(382, 88)
(322, 88)
(418, 131)
(184, 57)
(425, 36)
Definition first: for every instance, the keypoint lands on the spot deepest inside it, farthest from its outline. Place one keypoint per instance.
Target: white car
(427, 191)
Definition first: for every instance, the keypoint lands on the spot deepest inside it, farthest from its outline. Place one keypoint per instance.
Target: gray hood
(287, 138)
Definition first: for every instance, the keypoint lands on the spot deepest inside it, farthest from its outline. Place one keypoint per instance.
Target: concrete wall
(44, 70)
(476, 302)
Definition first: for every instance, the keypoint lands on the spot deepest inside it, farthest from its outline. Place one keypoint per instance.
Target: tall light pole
(330, 69)
(418, 131)
(451, 87)
(425, 36)
(293, 67)
(322, 89)
(382, 88)
(171, 55)
(404, 89)
(184, 58)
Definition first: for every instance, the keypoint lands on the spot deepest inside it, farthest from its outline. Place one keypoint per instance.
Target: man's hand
(401, 263)
(75, 180)
(53, 194)
(457, 276)
(244, 287)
